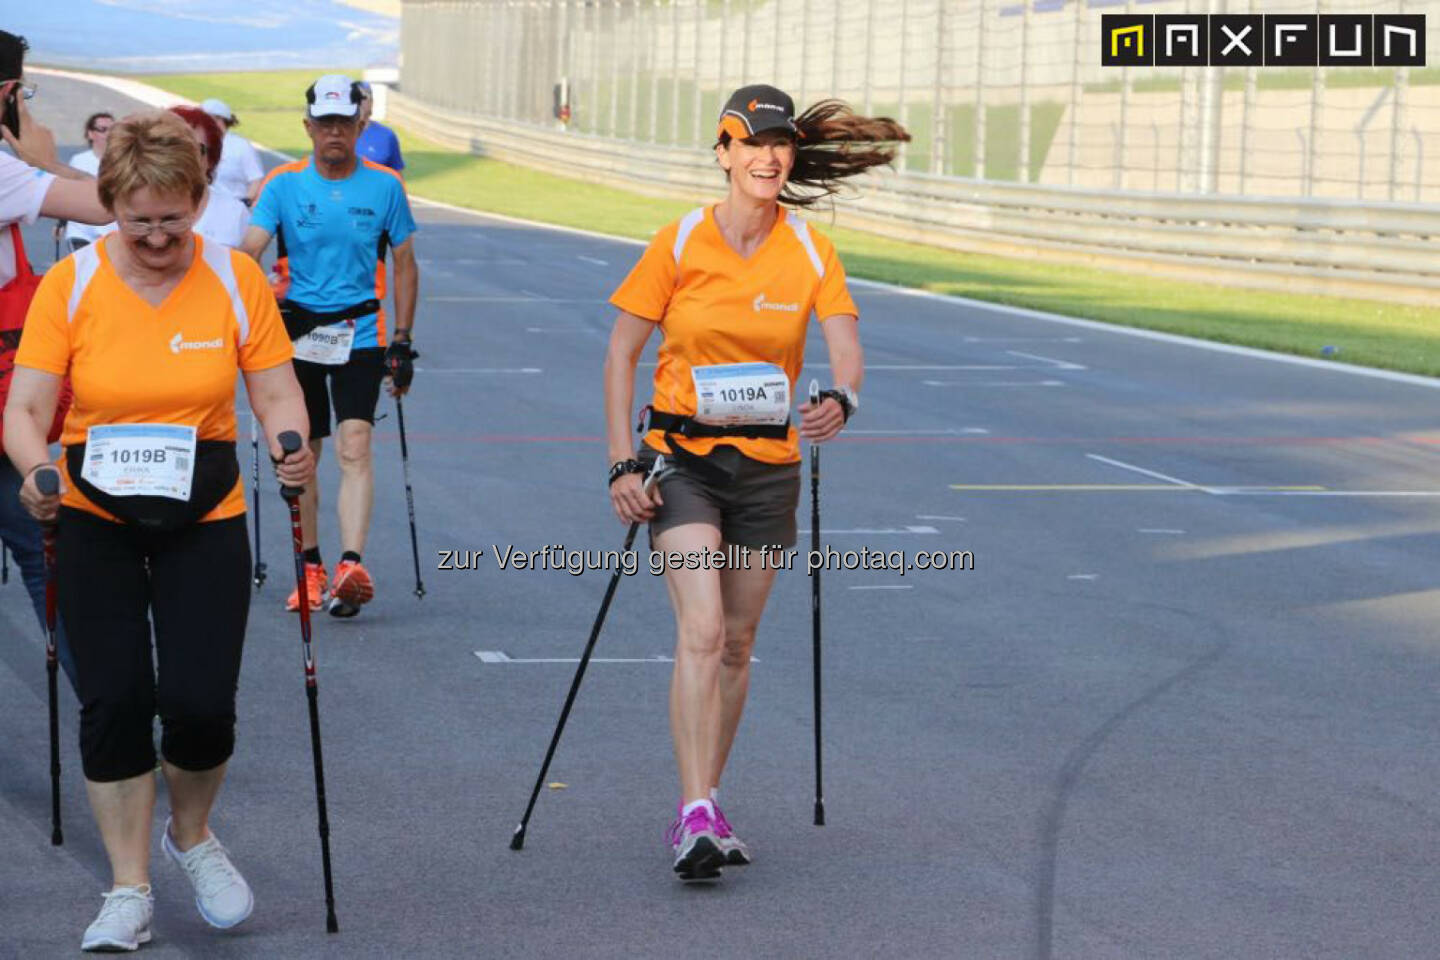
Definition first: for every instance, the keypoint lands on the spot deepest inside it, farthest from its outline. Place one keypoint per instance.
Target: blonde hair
(154, 149)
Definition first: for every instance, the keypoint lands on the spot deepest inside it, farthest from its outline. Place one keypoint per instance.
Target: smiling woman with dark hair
(732, 288)
(152, 324)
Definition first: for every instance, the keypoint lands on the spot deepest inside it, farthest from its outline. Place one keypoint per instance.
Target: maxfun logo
(760, 303)
(1262, 40)
(177, 343)
(754, 105)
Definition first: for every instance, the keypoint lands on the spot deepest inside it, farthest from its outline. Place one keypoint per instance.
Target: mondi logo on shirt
(761, 303)
(178, 344)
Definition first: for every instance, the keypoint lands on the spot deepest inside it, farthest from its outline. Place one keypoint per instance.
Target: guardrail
(1381, 251)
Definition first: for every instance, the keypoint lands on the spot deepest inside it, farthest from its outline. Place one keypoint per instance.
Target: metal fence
(1002, 90)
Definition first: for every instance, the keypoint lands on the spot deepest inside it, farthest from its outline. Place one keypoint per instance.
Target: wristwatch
(848, 399)
(619, 468)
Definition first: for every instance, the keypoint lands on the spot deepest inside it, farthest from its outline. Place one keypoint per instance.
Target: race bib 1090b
(328, 345)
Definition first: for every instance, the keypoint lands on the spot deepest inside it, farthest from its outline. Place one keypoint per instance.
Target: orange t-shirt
(134, 363)
(714, 306)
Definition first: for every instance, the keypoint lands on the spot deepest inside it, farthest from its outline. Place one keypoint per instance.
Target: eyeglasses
(171, 226)
(334, 124)
(27, 90)
(101, 130)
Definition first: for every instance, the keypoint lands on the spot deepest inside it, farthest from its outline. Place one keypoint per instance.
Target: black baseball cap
(756, 108)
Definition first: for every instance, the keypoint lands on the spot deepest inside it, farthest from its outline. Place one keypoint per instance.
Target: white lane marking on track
(595, 260)
(936, 516)
(909, 529)
(994, 383)
(1244, 491)
(1149, 473)
(1058, 364)
(480, 370)
(1083, 576)
(1022, 339)
(881, 586)
(1160, 530)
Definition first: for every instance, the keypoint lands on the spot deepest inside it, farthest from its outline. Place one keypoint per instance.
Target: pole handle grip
(47, 481)
(289, 443)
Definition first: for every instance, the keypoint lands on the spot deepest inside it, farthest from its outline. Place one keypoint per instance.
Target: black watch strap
(619, 468)
(839, 397)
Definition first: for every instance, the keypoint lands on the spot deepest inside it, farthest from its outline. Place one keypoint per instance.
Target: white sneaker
(221, 894)
(124, 920)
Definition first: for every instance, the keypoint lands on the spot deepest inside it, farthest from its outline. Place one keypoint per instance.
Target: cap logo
(332, 95)
(754, 105)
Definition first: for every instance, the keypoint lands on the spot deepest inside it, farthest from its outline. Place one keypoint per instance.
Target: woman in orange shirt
(151, 324)
(732, 288)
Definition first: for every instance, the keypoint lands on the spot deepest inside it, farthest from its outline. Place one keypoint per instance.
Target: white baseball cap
(333, 95)
(218, 108)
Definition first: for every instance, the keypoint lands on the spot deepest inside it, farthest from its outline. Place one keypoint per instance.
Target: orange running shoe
(353, 586)
(314, 589)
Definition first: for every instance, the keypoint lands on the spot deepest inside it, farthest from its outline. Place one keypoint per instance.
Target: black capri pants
(112, 581)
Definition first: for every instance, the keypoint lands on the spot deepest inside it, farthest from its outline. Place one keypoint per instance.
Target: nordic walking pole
(815, 603)
(289, 443)
(409, 496)
(259, 575)
(517, 842)
(4, 564)
(47, 481)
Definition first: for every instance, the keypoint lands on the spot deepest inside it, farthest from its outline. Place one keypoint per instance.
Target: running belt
(683, 425)
(690, 428)
(301, 320)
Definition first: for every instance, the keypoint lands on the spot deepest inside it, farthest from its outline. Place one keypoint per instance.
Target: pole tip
(331, 924)
(819, 813)
(517, 842)
(56, 837)
(419, 591)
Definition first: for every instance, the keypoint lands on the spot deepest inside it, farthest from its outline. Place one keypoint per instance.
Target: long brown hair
(835, 143)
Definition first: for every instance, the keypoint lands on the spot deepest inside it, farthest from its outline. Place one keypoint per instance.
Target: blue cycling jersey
(335, 233)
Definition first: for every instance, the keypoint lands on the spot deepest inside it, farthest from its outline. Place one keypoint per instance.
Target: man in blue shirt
(335, 214)
(378, 142)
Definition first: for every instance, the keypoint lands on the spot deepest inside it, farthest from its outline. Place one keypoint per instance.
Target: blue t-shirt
(335, 233)
(378, 142)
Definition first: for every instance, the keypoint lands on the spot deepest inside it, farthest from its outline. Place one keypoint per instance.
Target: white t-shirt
(22, 191)
(239, 164)
(224, 219)
(86, 162)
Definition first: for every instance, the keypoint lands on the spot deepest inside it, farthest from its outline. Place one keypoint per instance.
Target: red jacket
(15, 299)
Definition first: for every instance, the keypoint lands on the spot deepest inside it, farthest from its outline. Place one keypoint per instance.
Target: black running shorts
(353, 389)
(755, 509)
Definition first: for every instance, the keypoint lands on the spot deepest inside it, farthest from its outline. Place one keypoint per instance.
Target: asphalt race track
(1184, 706)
